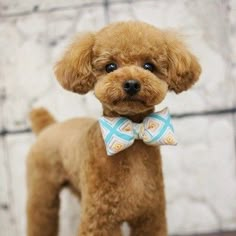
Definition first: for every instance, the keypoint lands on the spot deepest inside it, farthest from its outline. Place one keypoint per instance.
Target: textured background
(200, 173)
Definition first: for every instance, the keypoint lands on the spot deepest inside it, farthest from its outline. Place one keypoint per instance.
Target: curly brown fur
(41, 118)
(129, 185)
(75, 64)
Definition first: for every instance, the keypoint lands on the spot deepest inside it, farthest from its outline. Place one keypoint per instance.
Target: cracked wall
(200, 173)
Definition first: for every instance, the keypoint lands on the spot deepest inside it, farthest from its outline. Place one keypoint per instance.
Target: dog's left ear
(183, 67)
(74, 71)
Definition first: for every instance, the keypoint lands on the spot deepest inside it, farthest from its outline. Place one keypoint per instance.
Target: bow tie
(119, 132)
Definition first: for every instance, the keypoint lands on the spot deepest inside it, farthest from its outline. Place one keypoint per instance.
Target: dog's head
(129, 65)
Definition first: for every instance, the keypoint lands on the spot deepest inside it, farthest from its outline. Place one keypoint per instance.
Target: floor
(232, 233)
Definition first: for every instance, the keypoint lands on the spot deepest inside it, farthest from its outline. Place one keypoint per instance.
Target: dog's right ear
(74, 70)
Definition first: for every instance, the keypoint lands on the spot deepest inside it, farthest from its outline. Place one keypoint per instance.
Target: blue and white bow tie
(119, 132)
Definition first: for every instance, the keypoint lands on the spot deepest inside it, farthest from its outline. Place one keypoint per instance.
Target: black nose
(131, 87)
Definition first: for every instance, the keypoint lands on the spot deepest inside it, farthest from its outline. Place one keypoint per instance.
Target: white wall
(200, 173)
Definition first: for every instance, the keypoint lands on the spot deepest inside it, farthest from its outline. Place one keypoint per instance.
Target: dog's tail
(40, 119)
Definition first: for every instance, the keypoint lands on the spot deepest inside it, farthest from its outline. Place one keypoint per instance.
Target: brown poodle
(130, 66)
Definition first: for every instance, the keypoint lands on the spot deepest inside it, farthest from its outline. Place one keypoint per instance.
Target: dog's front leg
(151, 225)
(98, 219)
(87, 228)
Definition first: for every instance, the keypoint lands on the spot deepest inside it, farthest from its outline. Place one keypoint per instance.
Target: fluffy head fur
(130, 45)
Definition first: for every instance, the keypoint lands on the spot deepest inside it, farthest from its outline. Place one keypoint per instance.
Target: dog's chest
(141, 181)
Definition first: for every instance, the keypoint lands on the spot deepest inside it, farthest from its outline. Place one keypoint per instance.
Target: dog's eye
(110, 67)
(149, 66)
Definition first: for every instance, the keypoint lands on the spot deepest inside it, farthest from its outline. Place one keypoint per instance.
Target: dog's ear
(183, 67)
(74, 70)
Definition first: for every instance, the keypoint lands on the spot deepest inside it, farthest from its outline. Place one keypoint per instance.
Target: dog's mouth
(129, 105)
(129, 100)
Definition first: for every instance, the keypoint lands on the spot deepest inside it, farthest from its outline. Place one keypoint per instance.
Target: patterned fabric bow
(119, 132)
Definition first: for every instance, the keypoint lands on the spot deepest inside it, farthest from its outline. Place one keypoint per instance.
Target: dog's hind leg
(44, 184)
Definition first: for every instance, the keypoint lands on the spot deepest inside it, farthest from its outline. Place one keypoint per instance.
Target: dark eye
(110, 67)
(149, 66)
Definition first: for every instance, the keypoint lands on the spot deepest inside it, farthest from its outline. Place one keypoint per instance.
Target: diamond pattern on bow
(119, 133)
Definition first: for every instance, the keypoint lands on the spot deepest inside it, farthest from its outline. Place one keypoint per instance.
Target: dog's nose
(131, 87)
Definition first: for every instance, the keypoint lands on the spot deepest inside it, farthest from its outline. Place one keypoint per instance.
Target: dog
(130, 66)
